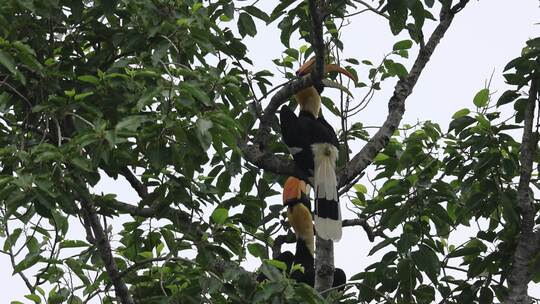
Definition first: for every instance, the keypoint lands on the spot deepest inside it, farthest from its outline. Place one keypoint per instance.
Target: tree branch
(288, 238)
(528, 243)
(371, 8)
(459, 6)
(134, 182)
(317, 43)
(30, 287)
(360, 222)
(104, 249)
(176, 216)
(396, 105)
(256, 155)
(324, 264)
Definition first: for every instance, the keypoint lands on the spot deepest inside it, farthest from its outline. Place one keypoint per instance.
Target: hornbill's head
(308, 99)
(295, 197)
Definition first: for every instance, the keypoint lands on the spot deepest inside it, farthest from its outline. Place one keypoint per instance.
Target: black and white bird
(296, 198)
(314, 146)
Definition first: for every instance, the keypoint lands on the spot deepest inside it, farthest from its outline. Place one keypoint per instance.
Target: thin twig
(373, 9)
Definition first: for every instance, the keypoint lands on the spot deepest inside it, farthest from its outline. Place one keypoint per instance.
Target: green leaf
(360, 188)
(276, 263)
(461, 113)
(12, 239)
(82, 95)
(397, 10)
(482, 121)
(280, 9)
(203, 134)
(256, 12)
(88, 78)
(400, 69)
(473, 248)
(287, 28)
(29, 261)
(481, 98)
(7, 61)
(196, 93)
(486, 295)
(257, 250)
(426, 260)
(382, 245)
(247, 182)
(507, 97)
(534, 43)
(131, 123)
(309, 295)
(402, 45)
(147, 97)
(35, 298)
(246, 26)
(417, 12)
(272, 273)
(424, 294)
(76, 267)
(223, 183)
(220, 215)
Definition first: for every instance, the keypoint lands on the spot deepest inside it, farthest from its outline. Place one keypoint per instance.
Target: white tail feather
(325, 156)
(325, 186)
(328, 229)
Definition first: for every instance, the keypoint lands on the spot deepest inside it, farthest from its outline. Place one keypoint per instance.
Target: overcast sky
(482, 39)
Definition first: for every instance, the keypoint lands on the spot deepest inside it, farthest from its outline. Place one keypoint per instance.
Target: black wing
(289, 127)
(330, 131)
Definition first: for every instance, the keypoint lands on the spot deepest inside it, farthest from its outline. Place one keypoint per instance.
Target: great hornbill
(314, 145)
(296, 198)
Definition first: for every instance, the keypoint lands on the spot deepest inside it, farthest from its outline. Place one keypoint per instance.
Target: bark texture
(324, 264)
(528, 244)
(105, 252)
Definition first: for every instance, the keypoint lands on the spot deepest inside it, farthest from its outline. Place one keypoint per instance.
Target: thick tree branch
(176, 216)
(288, 238)
(317, 42)
(134, 182)
(104, 249)
(324, 264)
(528, 243)
(396, 105)
(324, 249)
(268, 161)
(459, 6)
(360, 222)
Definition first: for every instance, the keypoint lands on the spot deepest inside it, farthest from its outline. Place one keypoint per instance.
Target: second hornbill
(314, 145)
(296, 198)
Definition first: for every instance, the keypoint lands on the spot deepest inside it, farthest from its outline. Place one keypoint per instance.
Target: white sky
(482, 39)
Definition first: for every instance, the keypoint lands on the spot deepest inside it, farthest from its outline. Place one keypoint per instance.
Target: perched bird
(296, 198)
(314, 146)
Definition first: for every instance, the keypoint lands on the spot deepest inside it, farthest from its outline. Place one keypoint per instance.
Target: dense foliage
(163, 93)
